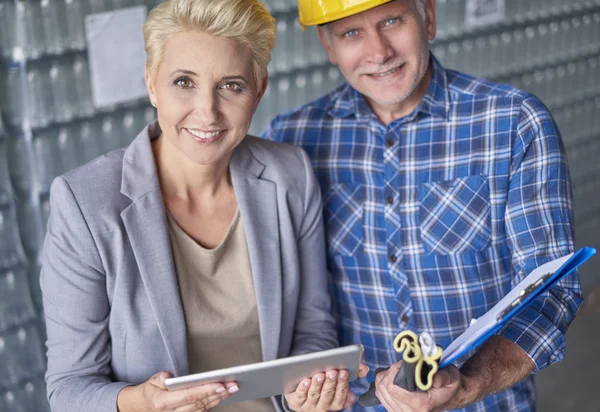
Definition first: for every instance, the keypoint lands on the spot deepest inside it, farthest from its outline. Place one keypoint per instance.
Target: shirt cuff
(537, 336)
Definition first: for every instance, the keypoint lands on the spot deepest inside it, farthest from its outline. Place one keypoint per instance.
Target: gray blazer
(111, 300)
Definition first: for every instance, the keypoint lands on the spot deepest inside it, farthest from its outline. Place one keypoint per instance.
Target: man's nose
(379, 48)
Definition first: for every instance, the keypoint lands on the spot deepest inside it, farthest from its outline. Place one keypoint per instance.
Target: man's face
(383, 52)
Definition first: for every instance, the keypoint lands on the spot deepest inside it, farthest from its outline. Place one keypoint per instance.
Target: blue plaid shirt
(433, 219)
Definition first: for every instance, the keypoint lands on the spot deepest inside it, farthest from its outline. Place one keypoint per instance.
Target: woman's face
(205, 93)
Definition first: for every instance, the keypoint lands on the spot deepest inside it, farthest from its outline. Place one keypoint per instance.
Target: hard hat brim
(328, 16)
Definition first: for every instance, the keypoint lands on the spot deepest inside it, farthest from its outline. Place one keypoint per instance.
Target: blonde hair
(245, 21)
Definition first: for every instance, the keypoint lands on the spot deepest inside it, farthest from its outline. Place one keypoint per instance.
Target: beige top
(219, 305)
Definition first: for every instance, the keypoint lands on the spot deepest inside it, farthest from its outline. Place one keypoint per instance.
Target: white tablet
(275, 377)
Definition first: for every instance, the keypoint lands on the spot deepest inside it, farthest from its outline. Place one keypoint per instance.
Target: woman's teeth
(203, 135)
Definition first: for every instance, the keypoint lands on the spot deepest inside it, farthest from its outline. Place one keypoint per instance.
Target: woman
(196, 247)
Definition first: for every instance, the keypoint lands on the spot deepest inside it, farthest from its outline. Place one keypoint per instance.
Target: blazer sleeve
(315, 325)
(76, 308)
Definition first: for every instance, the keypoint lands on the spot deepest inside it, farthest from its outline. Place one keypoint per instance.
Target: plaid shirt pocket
(455, 215)
(343, 214)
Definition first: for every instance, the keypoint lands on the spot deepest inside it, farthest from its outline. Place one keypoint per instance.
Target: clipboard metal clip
(523, 295)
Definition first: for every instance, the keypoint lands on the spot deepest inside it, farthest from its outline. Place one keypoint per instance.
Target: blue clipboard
(536, 283)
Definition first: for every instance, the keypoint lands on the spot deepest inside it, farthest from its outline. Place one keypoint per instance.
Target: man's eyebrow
(397, 15)
(344, 29)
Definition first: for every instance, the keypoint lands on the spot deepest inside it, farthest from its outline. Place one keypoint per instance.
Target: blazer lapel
(145, 222)
(257, 200)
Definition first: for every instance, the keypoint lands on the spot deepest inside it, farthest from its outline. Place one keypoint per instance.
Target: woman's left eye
(391, 21)
(232, 86)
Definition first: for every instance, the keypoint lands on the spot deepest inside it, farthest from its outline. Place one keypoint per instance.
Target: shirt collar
(350, 102)
(435, 102)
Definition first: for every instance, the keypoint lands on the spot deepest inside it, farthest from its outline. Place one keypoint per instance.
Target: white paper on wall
(116, 55)
(484, 12)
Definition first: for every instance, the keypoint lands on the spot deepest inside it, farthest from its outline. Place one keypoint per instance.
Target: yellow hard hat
(313, 12)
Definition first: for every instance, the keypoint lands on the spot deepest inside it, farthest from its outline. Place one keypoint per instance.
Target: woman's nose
(207, 107)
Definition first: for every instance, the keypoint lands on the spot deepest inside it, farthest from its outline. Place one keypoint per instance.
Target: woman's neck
(183, 179)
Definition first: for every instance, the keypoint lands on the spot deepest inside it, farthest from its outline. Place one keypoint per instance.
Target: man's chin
(385, 99)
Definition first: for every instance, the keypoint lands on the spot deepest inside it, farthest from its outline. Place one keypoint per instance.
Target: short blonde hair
(246, 21)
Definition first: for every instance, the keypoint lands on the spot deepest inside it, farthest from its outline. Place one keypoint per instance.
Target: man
(441, 192)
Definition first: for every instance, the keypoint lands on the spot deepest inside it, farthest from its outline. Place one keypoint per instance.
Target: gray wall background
(49, 125)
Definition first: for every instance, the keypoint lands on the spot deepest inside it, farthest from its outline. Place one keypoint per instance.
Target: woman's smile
(205, 137)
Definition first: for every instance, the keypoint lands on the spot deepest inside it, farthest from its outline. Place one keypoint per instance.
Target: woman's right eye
(183, 83)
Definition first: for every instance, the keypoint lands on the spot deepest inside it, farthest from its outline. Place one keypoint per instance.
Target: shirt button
(390, 200)
(393, 258)
(389, 143)
(405, 319)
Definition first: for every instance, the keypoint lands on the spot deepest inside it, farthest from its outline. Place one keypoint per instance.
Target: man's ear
(431, 19)
(325, 37)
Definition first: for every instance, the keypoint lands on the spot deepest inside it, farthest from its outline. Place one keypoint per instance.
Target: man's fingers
(395, 398)
(390, 372)
(383, 396)
(440, 379)
(392, 397)
(446, 377)
(380, 388)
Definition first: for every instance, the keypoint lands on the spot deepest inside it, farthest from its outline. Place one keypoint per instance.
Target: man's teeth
(386, 73)
(203, 135)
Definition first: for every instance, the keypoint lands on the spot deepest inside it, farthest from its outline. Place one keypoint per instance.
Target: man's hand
(498, 365)
(446, 388)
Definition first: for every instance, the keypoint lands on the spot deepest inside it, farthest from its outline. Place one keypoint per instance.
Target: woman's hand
(153, 396)
(327, 391)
